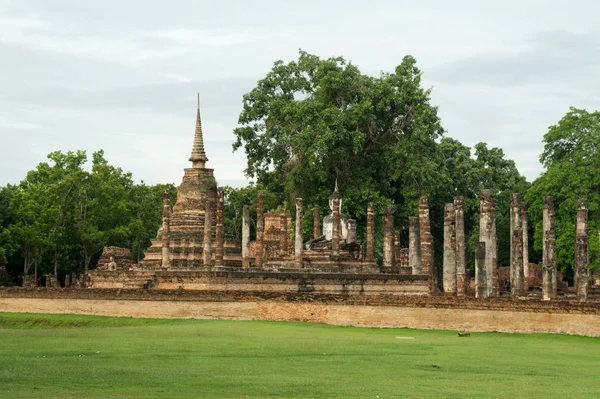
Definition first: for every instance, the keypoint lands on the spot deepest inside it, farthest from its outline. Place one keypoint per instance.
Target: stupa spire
(198, 157)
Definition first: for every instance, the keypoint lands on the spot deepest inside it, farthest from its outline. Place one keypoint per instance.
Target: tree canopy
(312, 121)
(62, 215)
(572, 161)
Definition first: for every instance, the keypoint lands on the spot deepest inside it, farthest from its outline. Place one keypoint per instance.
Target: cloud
(551, 56)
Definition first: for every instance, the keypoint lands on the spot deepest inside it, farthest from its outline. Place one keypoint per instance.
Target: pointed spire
(198, 157)
(336, 186)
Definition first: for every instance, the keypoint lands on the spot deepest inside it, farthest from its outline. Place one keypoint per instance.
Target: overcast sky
(122, 75)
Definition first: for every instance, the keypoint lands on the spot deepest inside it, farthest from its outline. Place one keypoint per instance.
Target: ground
(62, 356)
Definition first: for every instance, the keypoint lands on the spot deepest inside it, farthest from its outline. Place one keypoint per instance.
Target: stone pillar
(516, 284)
(317, 222)
(298, 239)
(487, 235)
(220, 231)
(397, 256)
(388, 237)
(166, 230)
(260, 230)
(335, 228)
(449, 266)
(207, 250)
(548, 250)
(481, 290)
(246, 237)
(370, 245)
(283, 238)
(582, 255)
(414, 245)
(525, 227)
(461, 260)
(427, 265)
(516, 251)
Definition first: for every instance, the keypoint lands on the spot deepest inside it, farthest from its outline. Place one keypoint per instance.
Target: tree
(62, 215)
(312, 121)
(572, 161)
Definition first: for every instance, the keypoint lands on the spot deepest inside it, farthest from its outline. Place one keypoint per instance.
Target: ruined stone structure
(549, 289)
(461, 260)
(427, 265)
(196, 198)
(298, 239)
(486, 271)
(516, 249)
(166, 230)
(388, 237)
(120, 256)
(525, 228)
(414, 245)
(190, 251)
(582, 256)
(246, 236)
(370, 244)
(449, 266)
(220, 231)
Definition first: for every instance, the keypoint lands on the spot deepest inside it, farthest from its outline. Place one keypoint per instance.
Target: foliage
(572, 162)
(114, 357)
(62, 215)
(312, 121)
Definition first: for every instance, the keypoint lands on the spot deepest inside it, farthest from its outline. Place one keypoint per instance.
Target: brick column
(449, 266)
(166, 230)
(317, 222)
(549, 250)
(283, 238)
(388, 237)
(582, 255)
(427, 264)
(335, 228)
(246, 237)
(414, 245)
(481, 290)
(370, 245)
(298, 239)
(494, 290)
(220, 231)
(516, 285)
(525, 227)
(260, 230)
(516, 252)
(397, 249)
(487, 234)
(461, 261)
(207, 250)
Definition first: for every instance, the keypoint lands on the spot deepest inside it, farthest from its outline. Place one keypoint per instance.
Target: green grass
(65, 356)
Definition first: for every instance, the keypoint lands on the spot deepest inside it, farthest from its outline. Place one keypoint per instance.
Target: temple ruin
(190, 252)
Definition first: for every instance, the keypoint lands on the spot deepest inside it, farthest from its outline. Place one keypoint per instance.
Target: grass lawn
(66, 356)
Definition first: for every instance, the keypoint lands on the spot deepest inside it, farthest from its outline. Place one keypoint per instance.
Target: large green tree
(572, 161)
(312, 121)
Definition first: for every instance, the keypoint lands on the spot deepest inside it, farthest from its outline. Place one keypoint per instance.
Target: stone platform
(287, 280)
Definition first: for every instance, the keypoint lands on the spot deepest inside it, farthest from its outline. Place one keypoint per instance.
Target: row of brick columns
(486, 250)
(420, 243)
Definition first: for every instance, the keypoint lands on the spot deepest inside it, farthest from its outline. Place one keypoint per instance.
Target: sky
(122, 75)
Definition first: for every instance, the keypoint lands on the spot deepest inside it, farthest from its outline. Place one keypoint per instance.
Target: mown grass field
(65, 356)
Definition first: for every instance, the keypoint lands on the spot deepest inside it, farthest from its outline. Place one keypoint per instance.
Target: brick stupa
(196, 196)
